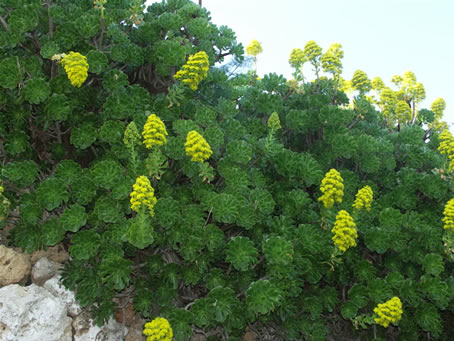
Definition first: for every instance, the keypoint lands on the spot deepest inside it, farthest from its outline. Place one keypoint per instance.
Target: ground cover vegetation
(215, 200)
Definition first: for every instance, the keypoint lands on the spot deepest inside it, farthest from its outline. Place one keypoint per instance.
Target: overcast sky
(382, 38)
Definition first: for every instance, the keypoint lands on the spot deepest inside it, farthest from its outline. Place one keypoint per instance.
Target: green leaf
(16, 142)
(428, 318)
(49, 49)
(262, 296)
(11, 72)
(181, 322)
(108, 210)
(68, 171)
(262, 200)
(115, 271)
(83, 190)
(73, 218)
(140, 231)
(433, 264)
(36, 90)
(21, 173)
(52, 193)
(241, 253)
(112, 132)
(222, 302)
(106, 173)
(225, 208)
(167, 212)
(85, 244)
(239, 151)
(58, 107)
(278, 251)
(83, 136)
(52, 232)
(97, 61)
(349, 310)
(201, 310)
(213, 237)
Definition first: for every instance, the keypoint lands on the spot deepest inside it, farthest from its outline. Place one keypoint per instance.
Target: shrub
(226, 226)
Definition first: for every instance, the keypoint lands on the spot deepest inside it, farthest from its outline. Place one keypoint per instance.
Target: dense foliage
(205, 198)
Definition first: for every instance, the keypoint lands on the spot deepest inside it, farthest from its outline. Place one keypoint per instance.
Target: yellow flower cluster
(76, 68)
(332, 188)
(195, 70)
(297, 58)
(158, 330)
(254, 48)
(344, 230)
(364, 198)
(197, 147)
(447, 146)
(388, 312)
(131, 136)
(154, 132)
(273, 122)
(143, 194)
(448, 213)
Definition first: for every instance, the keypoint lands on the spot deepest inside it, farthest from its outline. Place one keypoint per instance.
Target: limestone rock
(85, 330)
(56, 288)
(14, 266)
(56, 253)
(32, 314)
(43, 270)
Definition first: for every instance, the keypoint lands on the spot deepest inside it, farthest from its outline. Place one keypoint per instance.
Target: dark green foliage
(240, 240)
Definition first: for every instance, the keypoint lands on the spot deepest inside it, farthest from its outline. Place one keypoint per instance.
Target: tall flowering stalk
(344, 230)
(253, 49)
(448, 213)
(195, 70)
(388, 312)
(76, 68)
(197, 147)
(447, 146)
(158, 330)
(154, 132)
(332, 188)
(143, 195)
(364, 198)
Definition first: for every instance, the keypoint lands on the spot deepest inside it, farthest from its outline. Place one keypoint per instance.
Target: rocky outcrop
(46, 310)
(32, 314)
(43, 270)
(14, 266)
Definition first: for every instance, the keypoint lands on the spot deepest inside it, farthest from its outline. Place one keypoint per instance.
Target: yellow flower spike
(197, 147)
(154, 132)
(254, 48)
(388, 312)
(131, 136)
(448, 214)
(273, 122)
(332, 188)
(76, 68)
(158, 330)
(143, 194)
(447, 146)
(344, 230)
(297, 58)
(364, 198)
(195, 70)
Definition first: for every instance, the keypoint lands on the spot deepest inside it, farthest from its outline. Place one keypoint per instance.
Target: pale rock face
(56, 288)
(43, 270)
(85, 330)
(32, 314)
(14, 266)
